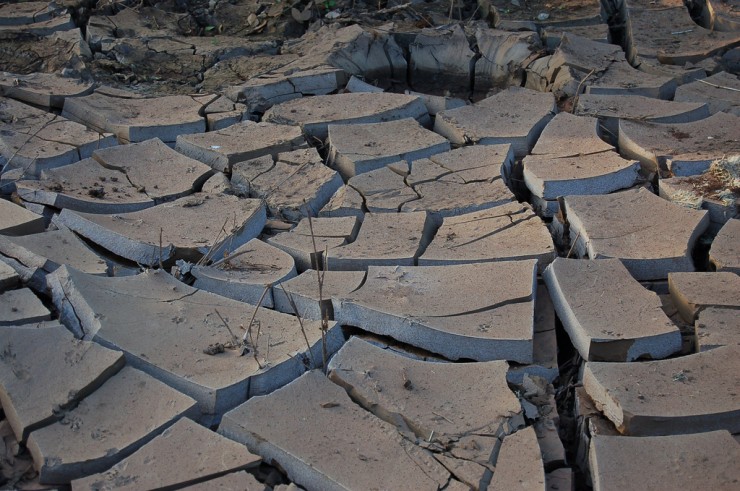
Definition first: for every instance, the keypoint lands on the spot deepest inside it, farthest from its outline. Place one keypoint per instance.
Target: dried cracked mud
(347, 245)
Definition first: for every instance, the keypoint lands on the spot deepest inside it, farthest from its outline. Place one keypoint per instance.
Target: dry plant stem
(719, 86)
(252, 341)
(300, 322)
(161, 266)
(234, 339)
(578, 89)
(320, 279)
(573, 245)
(207, 256)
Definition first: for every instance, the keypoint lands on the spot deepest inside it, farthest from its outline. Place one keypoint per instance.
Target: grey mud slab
(715, 327)
(724, 253)
(344, 447)
(185, 228)
(519, 464)
(118, 313)
(478, 311)
(359, 148)
(719, 92)
(438, 402)
(42, 89)
(689, 394)
(16, 220)
(126, 412)
(504, 233)
(21, 307)
(693, 292)
(604, 326)
(315, 114)
(33, 393)
(700, 461)
(612, 226)
(516, 116)
(303, 291)
(243, 141)
(185, 453)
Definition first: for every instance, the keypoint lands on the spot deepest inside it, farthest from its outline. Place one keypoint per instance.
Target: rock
(384, 239)
(9, 279)
(689, 394)
(717, 91)
(16, 220)
(504, 57)
(611, 226)
(479, 311)
(359, 148)
(702, 141)
(243, 141)
(34, 256)
(119, 179)
(505, 233)
(125, 413)
(694, 292)
(189, 322)
(185, 228)
(184, 454)
(33, 140)
(307, 249)
(715, 327)
(345, 447)
(21, 307)
(611, 109)
(436, 402)
(707, 460)
(441, 58)
(303, 290)
(34, 395)
(605, 327)
(246, 273)
(135, 120)
(315, 114)
(724, 254)
(293, 186)
(519, 464)
(47, 90)
(515, 116)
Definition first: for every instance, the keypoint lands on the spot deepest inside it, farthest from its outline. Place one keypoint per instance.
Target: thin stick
(320, 279)
(206, 257)
(160, 252)
(252, 342)
(573, 245)
(234, 338)
(578, 89)
(300, 321)
(719, 86)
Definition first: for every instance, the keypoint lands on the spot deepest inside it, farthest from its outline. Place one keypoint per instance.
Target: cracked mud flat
(349, 245)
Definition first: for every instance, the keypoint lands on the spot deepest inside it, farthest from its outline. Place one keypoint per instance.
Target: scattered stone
(715, 327)
(612, 226)
(478, 311)
(136, 120)
(42, 89)
(293, 186)
(16, 220)
(184, 454)
(35, 394)
(186, 228)
(515, 116)
(437, 402)
(508, 232)
(604, 327)
(246, 273)
(110, 424)
(694, 292)
(308, 249)
(441, 58)
(611, 109)
(384, 239)
(118, 180)
(344, 447)
(719, 92)
(359, 148)
(303, 292)
(21, 307)
(707, 461)
(702, 141)
(724, 253)
(115, 313)
(315, 114)
(33, 140)
(34, 256)
(689, 394)
(243, 141)
(519, 464)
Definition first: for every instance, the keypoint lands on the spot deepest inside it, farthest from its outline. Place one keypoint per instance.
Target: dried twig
(719, 86)
(207, 255)
(578, 89)
(252, 341)
(320, 280)
(234, 339)
(300, 321)
(573, 245)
